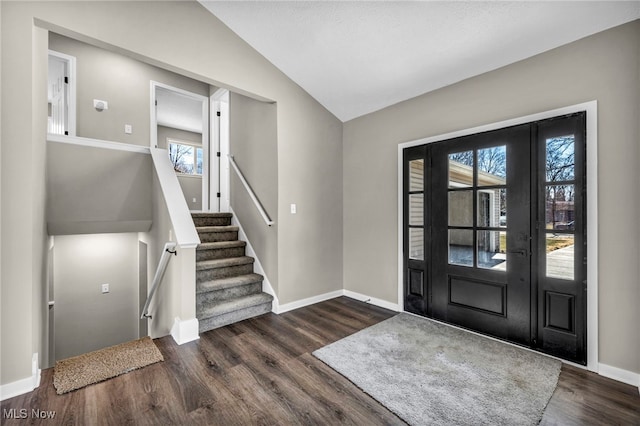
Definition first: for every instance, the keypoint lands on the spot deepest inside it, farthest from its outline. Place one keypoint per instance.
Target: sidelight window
(560, 207)
(416, 209)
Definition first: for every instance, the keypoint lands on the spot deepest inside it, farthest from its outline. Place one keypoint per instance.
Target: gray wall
(85, 318)
(95, 190)
(253, 141)
(305, 131)
(191, 185)
(604, 67)
(123, 83)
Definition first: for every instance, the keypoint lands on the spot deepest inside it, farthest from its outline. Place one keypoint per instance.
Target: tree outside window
(186, 158)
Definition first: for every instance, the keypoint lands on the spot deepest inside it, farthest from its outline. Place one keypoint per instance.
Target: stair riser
(219, 253)
(205, 299)
(228, 271)
(212, 221)
(232, 317)
(215, 237)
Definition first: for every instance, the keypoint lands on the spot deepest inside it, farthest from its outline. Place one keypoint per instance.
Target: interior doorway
(61, 94)
(495, 233)
(180, 125)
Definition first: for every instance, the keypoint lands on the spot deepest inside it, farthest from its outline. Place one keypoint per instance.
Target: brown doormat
(94, 367)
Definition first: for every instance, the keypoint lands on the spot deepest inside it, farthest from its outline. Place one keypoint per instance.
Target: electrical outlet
(128, 129)
(105, 288)
(294, 209)
(194, 199)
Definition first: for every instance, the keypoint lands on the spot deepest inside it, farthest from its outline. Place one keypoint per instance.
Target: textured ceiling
(360, 56)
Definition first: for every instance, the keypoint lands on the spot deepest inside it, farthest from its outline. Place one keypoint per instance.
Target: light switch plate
(105, 288)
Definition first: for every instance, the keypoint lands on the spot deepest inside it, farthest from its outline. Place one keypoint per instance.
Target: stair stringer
(257, 266)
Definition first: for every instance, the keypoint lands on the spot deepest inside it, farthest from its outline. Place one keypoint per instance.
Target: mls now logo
(23, 413)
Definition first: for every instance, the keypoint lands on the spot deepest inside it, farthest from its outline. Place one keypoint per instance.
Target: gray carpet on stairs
(433, 374)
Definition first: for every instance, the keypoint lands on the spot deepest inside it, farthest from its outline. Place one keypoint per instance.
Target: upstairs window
(185, 157)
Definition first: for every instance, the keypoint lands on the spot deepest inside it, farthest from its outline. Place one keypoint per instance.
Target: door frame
(219, 102)
(591, 108)
(71, 88)
(206, 141)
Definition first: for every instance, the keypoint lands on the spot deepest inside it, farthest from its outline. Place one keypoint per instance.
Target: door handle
(522, 252)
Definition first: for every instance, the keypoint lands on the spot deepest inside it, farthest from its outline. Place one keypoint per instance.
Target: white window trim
(591, 109)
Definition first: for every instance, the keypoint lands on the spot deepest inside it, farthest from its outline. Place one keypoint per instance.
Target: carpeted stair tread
(225, 283)
(219, 228)
(221, 245)
(234, 305)
(223, 263)
(206, 214)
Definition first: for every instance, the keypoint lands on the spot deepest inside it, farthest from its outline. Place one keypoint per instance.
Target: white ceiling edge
(359, 57)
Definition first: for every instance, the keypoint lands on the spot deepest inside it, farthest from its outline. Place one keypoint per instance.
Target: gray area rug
(94, 367)
(428, 373)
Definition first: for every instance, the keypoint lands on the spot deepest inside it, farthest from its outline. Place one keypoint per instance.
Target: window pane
(492, 207)
(416, 209)
(492, 166)
(182, 157)
(492, 247)
(416, 175)
(461, 169)
(199, 161)
(560, 256)
(559, 207)
(416, 243)
(461, 247)
(560, 161)
(460, 208)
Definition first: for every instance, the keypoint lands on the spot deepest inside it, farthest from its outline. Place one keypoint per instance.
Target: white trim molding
(185, 331)
(591, 109)
(372, 300)
(309, 301)
(25, 385)
(98, 143)
(620, 375)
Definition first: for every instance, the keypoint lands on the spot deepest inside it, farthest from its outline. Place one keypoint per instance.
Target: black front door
(494, 234)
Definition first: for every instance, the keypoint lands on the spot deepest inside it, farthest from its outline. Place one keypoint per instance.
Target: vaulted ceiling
(356, 57)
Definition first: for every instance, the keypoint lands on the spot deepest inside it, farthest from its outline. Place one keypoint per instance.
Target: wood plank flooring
(261, 372)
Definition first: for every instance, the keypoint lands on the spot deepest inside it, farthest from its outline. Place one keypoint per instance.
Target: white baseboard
(620, 375)
(309, 301)
(22, 386)
(374, 301)
(257, 266)
(333, 294)
(185, 331)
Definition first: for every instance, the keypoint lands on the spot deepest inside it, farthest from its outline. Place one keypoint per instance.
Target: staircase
(227, 289)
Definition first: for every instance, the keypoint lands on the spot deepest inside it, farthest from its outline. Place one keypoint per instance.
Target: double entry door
(494, 234)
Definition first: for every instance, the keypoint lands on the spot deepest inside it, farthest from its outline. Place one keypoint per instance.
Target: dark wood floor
(261, 371)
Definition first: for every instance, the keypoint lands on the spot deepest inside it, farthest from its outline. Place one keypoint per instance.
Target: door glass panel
(461, 169)
(460, 208)
(559, 207)
(416, 243)
(416, 209)
(416, 175)
(492, 208)
(492, 250)
(560, 256)
(492, 166)
(461, 247)
(560, 159)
